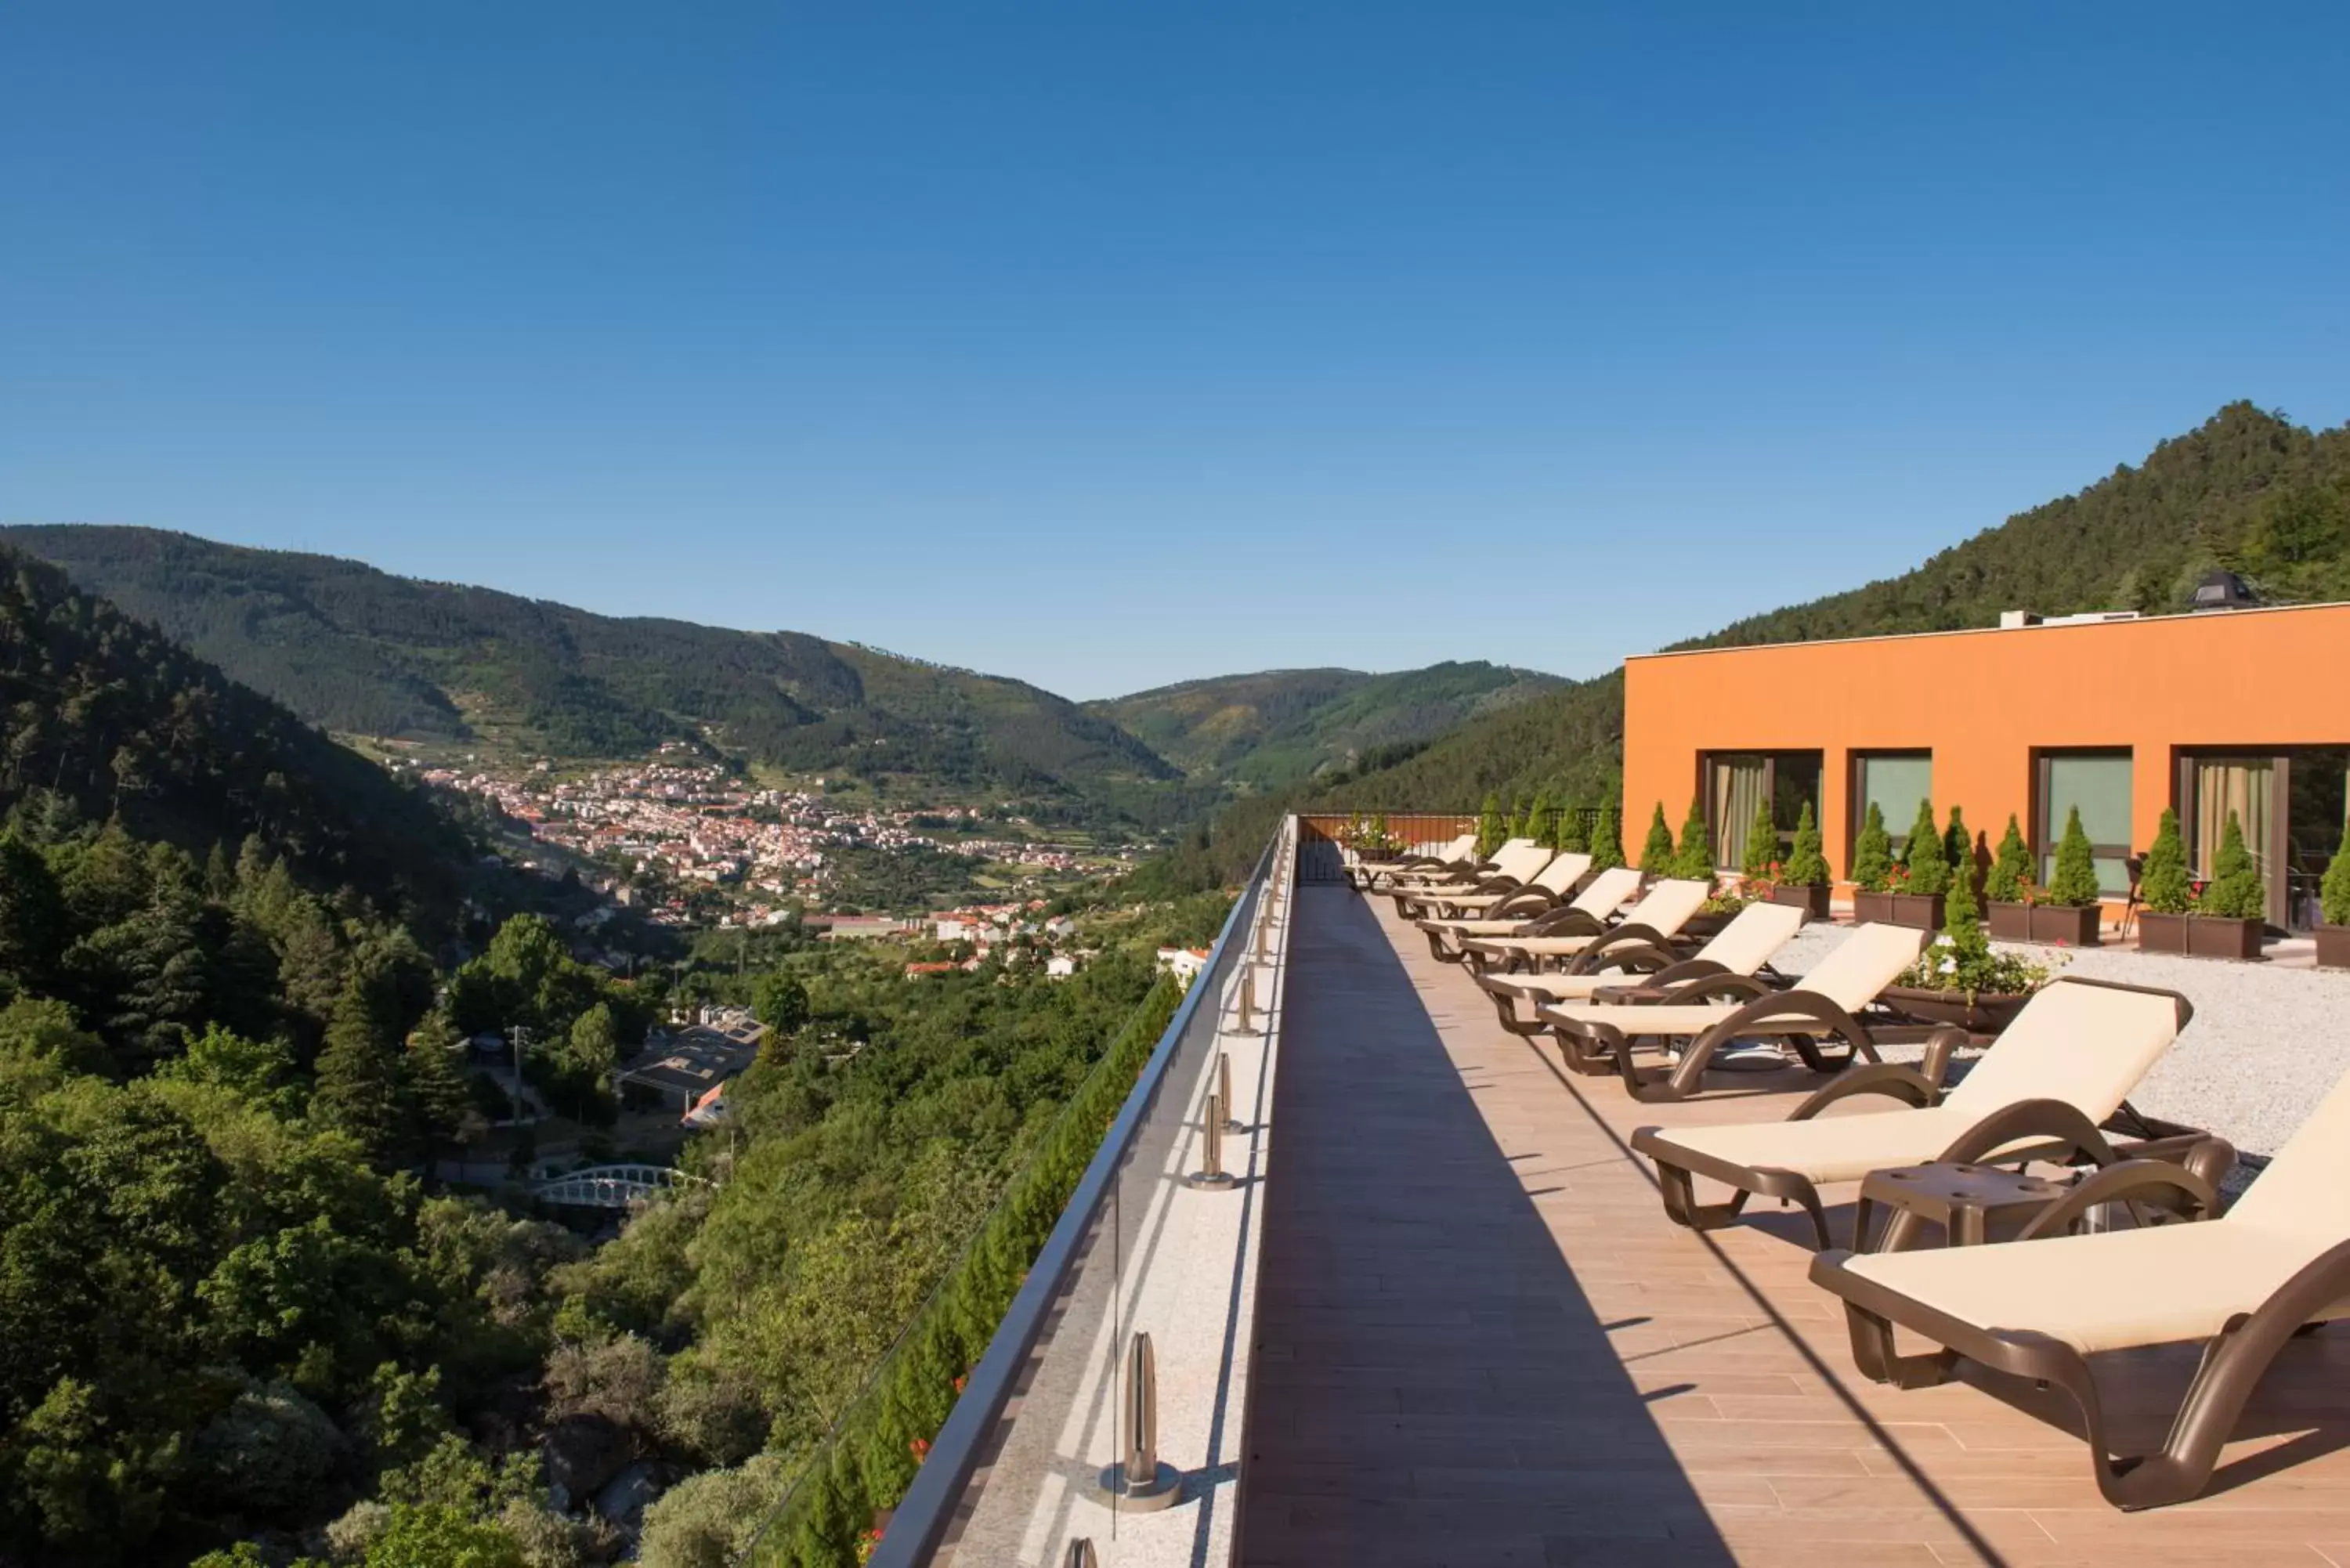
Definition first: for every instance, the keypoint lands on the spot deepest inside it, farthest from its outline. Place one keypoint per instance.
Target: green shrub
(1539, 817)
(1570, 835)
(2236, 890)
(1694, 859)
(1930, 869)
(1806, 866)
(1761, 845)
(2010, 869)
(2334, 893)
(2162, 881)
(2075, 882)
(1959, 846)
(1872, 853)
(1607, 839)
(1490, 829)
(1657, 859)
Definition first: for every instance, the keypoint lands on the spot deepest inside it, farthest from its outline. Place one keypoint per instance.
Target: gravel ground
(2266, 1044)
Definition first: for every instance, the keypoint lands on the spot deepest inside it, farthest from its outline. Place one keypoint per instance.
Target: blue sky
(1113, 345)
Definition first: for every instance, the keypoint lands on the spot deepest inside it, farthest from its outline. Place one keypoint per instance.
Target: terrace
(1440, 1316)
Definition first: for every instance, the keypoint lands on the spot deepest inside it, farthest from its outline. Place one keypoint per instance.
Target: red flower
(961, 1383)
(920, 1448)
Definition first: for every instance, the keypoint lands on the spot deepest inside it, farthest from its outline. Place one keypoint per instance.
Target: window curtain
(1738, 784)
(2241, 784)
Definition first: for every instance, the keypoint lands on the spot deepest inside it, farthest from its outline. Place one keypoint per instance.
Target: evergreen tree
(1761, 844)
(1607, 838)
(1807, 865)
(2075, 883)
(32, 914)
(1572, 836)
(1657, 854)
(1872, 853)
(1929, 872)
(2010, 870)
(1961, 914)
(357, 1087)
(2236, 890)
(438, 1108)
(2334, 892)
(2163, 883)
(1694, 859)
(1490, 829)
(1541, 821)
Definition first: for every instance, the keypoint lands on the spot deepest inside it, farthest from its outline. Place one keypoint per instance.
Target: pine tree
(438, 1109)
(1694, 859)
(2010, 869)
(2334, 892)
(1761, 844)
(2075, 883)
(1929, 873)
(2163, 883)
(32, 914)
(2236, 890)
(1490, 829)
(357, 1088)
(1807, 865)
(1607, 839)
(1657, 854)
(1872, 853)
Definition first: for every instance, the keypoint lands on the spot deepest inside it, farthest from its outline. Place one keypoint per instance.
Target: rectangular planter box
(1872, 909)
(2201, 936)
(2333, 946)
(1921, 910)
(2007, 922)
(2161, 933)
(2066, 925)
(2211, 935)
(1814, 902)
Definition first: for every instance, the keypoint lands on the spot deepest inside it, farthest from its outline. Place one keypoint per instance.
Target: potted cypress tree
(1758, 864)
(1960, 978)
(1694, 859)
(1919, 900)
(1540, 818)
(1872, 870)
(2070, 917)
(2007, 891)
(2228, 918)
(1491, 831)
(1803, 880)
(2334, 908)
(2164, 891)
(1607, 839)
(1569, 836)
(1657, 859)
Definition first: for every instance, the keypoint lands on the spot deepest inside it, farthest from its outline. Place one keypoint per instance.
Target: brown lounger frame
(1544, 914)
(2064, 1136)
(2234, 1359)
(1635, 950)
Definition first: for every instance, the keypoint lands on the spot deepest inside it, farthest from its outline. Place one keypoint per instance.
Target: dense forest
(361, 651)
(2248, 491)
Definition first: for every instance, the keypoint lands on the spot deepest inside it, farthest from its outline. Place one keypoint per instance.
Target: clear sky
(1113, 344)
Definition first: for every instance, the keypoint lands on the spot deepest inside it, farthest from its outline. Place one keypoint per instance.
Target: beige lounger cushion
(1863, 965)
(1754, 935)
(2088, 1046)
(2117, 1289)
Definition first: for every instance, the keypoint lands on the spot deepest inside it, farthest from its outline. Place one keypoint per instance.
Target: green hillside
(2247, 490)
(105, 717)
(1278, 726)
(361, 651)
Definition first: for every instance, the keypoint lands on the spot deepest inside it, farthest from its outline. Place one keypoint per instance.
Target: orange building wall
(1982, 701)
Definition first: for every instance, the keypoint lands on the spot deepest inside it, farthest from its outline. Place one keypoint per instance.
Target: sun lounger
(1454, 858)
(1513, 865)
(1546, 890)
(2242, 1285)
(2056, 1075)
(1566, 928)
(1597, 1037)
(1626, 956)
(1510, 860)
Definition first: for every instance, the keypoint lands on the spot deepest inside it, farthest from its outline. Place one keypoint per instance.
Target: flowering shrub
(1964, 960)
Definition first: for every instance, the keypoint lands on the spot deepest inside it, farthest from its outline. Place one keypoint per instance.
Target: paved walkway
(1480, 1343)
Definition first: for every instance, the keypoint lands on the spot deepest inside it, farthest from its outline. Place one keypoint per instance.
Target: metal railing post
(1211, 1176)
(1139, 1480)
(1224, 1091)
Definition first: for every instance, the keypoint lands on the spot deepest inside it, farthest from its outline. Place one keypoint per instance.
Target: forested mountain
(104, 717)
(1278, 726)
(2247, 490)
(362, 652)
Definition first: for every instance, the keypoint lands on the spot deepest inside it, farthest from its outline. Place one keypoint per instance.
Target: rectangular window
(1735, 782)
(1893, 781)
(2096, 783)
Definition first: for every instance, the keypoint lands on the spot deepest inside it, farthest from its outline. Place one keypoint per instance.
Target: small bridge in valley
(612, 1186)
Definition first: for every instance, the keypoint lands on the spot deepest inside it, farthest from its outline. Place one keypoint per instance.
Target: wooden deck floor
(1479, 1341)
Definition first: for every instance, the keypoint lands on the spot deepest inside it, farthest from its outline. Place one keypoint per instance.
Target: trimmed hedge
(879, 1442)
